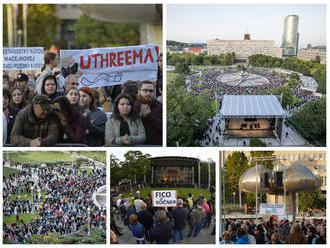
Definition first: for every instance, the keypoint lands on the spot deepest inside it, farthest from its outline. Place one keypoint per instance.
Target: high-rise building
(290, 38)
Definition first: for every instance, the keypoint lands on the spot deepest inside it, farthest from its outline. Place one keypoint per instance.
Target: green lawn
(181, 192)
(89, 170)
(37, 157)
(7, 171)
(98, 155)
(25, 217)
(25, 196)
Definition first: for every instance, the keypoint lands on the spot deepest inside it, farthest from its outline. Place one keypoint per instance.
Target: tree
(310, 122)
(187, 114)
(42, 25)
(235, 166)
(93, 33)
(307, 200)
(268, 163)
(137, 166)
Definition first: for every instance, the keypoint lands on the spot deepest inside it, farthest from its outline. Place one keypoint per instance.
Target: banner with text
(23, 58)
(163, 198)
(272, 209)
(100, 67)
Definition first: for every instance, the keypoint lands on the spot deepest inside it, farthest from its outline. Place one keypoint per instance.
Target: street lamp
(234, 194)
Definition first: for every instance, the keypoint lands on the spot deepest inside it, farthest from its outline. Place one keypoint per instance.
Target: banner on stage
(164, 198)
(23, 58)
(99, 67)
(272, 209)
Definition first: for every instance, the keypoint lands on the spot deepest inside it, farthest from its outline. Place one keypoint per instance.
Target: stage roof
(259, 106)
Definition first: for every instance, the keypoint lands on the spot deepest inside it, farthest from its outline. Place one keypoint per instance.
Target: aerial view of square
(257, 80)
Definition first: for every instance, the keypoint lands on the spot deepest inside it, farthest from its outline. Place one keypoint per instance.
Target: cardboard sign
(100, 67)
(23, 58)
(164, 198)
(272, 209)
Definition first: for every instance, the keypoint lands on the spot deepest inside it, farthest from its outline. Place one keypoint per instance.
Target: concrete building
(311, 53)
(243, 48)
(290, 38)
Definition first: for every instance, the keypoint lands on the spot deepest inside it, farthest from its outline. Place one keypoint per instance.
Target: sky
(203, 153)
(201, 22)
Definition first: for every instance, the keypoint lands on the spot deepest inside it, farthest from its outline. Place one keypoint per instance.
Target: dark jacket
(153, 123)
(28, 127)
(74, 132)
(180, 216)
(162, 232)
(96, 127)
(146, 219)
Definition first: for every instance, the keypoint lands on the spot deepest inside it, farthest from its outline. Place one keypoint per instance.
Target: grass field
(25, 196)
(98, 155)
(7, 171)
(181, 192)
(25, 217)
(37, 157)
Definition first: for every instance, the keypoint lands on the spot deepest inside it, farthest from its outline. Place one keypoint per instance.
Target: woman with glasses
(125, 128)
(73, 124)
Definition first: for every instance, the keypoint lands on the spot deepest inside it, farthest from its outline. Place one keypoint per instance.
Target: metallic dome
(296, 178)
(299, 178)
(248, 179)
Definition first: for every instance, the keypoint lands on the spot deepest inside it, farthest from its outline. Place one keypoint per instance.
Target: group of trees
(182, 61)
(44, 29)
(309, 68)
(135, 167)
(187, 114)
(237, 163)
(310, 121)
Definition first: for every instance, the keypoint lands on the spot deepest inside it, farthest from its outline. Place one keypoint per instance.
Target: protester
(197, 217)
(124, 128)
(36, 124)
(97, 118)
(137, 229)
(49, 87)
(163, 228)
(73, 96)
(180, 216)
(51, 62)
(150, 112)
(73, 124)
(22, 83)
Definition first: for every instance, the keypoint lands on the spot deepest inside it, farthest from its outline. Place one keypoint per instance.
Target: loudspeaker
(278, 179)
(264, 180)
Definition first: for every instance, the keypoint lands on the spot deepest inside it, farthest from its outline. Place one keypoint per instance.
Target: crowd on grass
(59, 199)
(161, 225)
(275, 231)
(49, 109)
(209, 81)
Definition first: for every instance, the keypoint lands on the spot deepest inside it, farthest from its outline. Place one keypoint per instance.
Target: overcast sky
(201, 22)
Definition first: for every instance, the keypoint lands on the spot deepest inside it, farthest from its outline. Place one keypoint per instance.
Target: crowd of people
(61, 198)
(275, 231)
(208, 81)
(48, 110)
(161, 225)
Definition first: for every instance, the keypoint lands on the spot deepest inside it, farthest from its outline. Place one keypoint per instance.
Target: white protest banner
(23, 58)
(99, 67)
(163, 198)
(272, 209)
